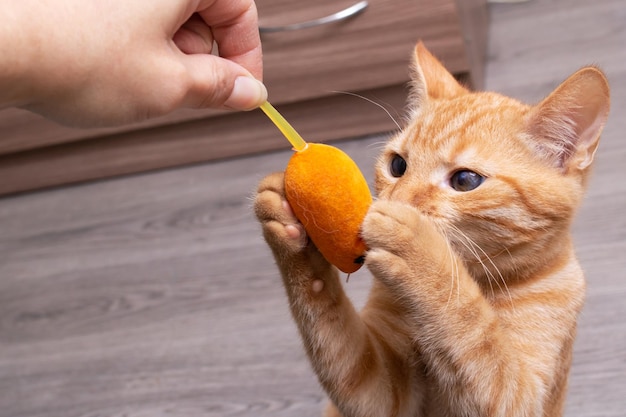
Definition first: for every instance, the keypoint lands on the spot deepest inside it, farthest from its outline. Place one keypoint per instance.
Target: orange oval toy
(330, 197)
(328, 194)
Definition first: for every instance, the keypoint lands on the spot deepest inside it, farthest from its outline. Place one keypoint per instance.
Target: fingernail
(248, 93)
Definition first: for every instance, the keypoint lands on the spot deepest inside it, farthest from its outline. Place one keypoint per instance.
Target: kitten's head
(500, 178)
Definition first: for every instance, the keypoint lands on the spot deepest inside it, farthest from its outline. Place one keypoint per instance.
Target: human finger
(215, 82)
(235, 29)
(194, 36)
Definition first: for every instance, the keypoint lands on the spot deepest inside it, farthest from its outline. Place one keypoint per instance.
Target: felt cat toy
(328, 194)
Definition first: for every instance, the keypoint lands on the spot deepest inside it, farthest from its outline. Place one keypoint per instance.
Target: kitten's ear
(430, 79)
(567, 124)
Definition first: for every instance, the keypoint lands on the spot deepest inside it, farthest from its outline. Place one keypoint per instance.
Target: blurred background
(134, 280)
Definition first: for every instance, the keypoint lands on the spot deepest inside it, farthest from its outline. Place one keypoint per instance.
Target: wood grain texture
(154, 295)
(368, 51)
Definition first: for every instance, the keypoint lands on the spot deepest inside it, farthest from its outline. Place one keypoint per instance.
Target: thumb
(216, 82)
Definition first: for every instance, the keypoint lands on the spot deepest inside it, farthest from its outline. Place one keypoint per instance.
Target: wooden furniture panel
(195, 141)
(368, 54)
(368, 51)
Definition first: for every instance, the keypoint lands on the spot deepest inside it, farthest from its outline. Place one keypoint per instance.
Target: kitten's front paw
(402, 242)
(391, 226)
(393, 231)
(282, 230)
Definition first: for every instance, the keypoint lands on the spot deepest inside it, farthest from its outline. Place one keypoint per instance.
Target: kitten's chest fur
(538, 317)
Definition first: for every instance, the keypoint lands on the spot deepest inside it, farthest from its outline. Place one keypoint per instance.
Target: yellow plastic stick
(283, 125)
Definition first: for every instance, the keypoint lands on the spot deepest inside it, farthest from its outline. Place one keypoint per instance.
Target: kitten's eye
(397, 166)
(466, 180)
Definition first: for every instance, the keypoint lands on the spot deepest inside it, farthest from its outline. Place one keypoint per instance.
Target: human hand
(86, 63)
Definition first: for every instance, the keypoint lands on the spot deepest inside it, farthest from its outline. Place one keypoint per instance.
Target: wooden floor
(154, 295)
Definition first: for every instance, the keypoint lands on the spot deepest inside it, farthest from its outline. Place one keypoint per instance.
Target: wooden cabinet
(305, 71)
(368, 51)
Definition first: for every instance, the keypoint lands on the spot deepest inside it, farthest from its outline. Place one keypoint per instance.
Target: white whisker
(454, 277)
(490, 275)
(373, 102)
(377, 145)
(470, 246)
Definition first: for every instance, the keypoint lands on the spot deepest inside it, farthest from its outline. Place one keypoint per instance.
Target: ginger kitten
(476, 289)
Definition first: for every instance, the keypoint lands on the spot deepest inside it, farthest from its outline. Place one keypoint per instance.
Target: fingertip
(248, 93)
(215, 82)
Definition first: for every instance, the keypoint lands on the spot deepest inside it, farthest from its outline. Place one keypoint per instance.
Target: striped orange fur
(476, 286)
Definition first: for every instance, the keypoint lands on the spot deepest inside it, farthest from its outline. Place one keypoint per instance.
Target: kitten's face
(500, 179)
(466, 164)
